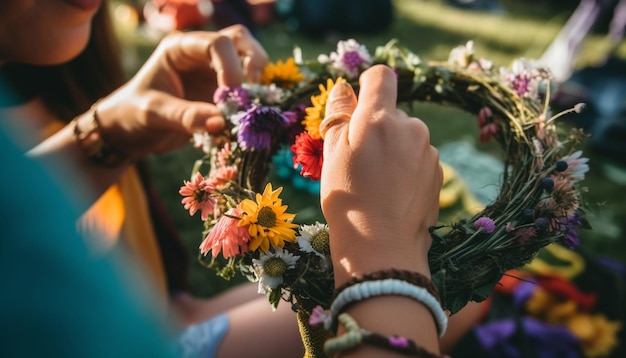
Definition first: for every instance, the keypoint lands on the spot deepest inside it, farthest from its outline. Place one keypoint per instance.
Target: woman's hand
(170, 96)
(380, 180)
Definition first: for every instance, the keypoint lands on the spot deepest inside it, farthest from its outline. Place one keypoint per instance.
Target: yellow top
(121, 216)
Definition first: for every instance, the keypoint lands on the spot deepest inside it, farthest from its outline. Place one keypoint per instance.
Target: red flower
(308, 153)
(565, 289)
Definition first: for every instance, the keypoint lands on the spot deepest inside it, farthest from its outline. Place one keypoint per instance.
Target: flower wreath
(245, 220)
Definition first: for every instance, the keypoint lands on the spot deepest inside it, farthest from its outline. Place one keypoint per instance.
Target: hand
(380, 180)
(170, 96)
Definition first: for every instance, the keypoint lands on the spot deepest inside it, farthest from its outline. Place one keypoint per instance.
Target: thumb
(339, 108)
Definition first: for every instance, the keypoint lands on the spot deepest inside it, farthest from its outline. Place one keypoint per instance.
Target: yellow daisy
(283, 74)
(315, 114)
(267, 220)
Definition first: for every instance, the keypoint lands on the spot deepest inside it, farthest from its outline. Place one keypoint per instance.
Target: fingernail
(340, 92)
(215, 124)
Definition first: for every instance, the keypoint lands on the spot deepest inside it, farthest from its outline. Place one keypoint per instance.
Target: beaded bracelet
(355, 335)
(415, 278)
(93, 144)
(363, 290)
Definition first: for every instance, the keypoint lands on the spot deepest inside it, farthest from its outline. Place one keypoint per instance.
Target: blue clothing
(57, 299)
(203, 340)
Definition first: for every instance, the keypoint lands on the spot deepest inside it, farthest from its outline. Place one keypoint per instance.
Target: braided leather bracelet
(356, 335)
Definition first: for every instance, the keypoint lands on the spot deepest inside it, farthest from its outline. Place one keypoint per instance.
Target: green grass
(430, 29)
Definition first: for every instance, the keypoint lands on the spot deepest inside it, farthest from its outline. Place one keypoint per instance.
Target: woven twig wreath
(247, 223)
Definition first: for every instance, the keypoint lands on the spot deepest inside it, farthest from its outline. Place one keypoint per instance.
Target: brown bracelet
(94, 145)
(415, 278)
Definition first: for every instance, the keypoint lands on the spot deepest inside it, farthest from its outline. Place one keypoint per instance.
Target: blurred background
(582, 40)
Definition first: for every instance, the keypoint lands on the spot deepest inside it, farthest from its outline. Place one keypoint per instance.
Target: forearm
(61, 152)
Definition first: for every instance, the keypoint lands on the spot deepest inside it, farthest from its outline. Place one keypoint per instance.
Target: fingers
(339, 108)
(377, 100)
(254, 56)
(226, 62)
(378, 96)
(379, 86)
(188, 116)
(224, 50)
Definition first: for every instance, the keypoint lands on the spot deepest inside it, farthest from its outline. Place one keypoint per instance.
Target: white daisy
(271, 266)
(315, 239)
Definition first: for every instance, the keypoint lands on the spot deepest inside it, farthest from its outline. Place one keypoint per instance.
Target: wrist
(351, 260)
(93, 143)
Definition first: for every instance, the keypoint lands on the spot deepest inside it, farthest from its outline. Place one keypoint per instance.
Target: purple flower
(398, 341)
(523, 291)
(571, 240)
(501, 339)
(352, 60)
(258, 125)
(520, 84)
(232, 99)
(486, 223)
(348, 60)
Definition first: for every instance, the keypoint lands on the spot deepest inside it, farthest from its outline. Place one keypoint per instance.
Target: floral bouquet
(245, 220)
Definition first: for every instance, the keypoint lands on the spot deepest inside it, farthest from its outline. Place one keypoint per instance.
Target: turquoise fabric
(56, 298)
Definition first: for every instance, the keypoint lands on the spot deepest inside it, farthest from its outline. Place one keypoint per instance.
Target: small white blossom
(203, 140)
(462, 55)
(271, 94)
(349, 59)
(271, 266)
(485, 64)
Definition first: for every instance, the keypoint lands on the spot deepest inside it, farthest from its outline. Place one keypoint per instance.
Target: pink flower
(525, 234)
(308, 154)
(224, 155)
(487, 132)
(197, 196)
(319, 316)
(486, 224)
(226, 236)
(487, 124)
(223, 175)
(577, 166)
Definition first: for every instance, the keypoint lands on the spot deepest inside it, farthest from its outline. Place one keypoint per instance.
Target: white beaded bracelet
(363, 290)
